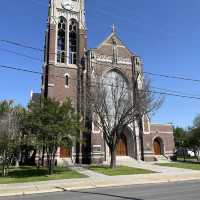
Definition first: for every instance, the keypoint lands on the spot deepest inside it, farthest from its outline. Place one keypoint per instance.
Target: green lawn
(120, 170)
(31, 174)
(188, 159)
(184, 165)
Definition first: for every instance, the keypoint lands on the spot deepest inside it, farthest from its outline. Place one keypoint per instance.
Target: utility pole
(47, 51)
(46, 70)
(134, 99)
(137, 103)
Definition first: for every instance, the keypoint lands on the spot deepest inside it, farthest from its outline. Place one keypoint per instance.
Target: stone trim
(51, 85)
(169, 132)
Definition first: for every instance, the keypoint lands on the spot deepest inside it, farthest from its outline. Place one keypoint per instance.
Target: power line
(20, 69)
(160, 75)
(175, 95)
(148, 91)
(173, 77)
(108, 13)
(22, 45)
(174, 91)
(149, 73)
(27, 47)
(20, 54)
(99, 63)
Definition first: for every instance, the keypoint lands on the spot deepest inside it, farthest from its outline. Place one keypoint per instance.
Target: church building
(69, 69)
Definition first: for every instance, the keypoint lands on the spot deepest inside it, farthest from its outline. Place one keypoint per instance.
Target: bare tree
(117, 104)
(10, 133)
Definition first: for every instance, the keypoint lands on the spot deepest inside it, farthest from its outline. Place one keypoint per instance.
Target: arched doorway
(122, 146)
(158, 146)
(126, 146)
(65, 152)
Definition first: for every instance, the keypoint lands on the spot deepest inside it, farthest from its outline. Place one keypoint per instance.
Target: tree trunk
(50, 166)
(141, 131)
(4, 170)
(18, 157)
(195, 154)
(39, 160)
(4, 164)
(113, 159)
(43, 152)
(184, 154)
(17, 163)
(51, 162)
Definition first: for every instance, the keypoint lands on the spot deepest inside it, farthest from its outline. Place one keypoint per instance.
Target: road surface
(169, 191)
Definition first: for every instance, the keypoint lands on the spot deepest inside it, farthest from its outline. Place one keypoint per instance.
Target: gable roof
(162, 128)
(106, 46)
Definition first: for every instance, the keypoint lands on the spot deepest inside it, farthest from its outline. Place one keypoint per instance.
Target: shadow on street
(101, 194)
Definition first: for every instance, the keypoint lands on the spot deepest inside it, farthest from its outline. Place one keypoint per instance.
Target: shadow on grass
(101, 194)
(26, 172)
(188, 161)
(119, 170)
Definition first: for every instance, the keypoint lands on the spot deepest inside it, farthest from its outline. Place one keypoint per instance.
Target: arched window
(73, 32)
(115, 89)
(61, 41)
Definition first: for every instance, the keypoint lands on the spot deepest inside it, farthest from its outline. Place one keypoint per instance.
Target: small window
(66, 80)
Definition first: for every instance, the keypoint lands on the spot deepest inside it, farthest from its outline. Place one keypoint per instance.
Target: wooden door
(157, 147)
(122, 147)
(65, 152)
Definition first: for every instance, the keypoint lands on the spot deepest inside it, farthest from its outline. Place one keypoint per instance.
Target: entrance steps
(129, 161)
(162, 159)
(121, 160)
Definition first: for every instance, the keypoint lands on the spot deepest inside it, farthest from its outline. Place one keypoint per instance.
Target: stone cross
(113, 28)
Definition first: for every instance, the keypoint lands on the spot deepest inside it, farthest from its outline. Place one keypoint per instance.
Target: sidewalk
(157, 168)
(99, 180)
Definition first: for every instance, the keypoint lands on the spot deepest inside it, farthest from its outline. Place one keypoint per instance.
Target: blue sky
(165, 34)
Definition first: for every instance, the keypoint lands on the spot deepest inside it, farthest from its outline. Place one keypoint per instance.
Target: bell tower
(65, 47)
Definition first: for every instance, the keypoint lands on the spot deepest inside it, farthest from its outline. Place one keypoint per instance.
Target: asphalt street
(169, 191)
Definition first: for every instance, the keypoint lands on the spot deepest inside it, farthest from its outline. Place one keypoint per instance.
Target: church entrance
(157, 147)
(126, 147)
(65, 152)
(121, 149)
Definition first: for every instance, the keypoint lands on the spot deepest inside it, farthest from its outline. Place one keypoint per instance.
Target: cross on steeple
(113, 28)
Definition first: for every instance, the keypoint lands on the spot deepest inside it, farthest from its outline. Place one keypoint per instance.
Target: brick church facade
(68, 71)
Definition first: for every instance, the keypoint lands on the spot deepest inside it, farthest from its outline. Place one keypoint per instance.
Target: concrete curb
(88, 183)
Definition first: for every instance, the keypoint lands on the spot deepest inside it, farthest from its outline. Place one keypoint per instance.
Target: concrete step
(123, 160)
(161, 158)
